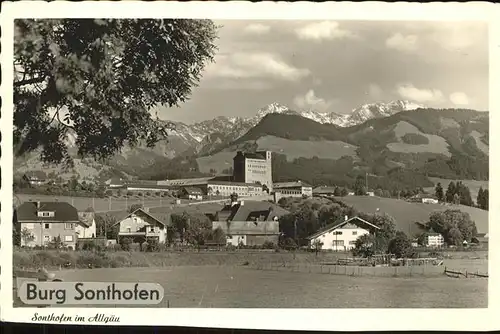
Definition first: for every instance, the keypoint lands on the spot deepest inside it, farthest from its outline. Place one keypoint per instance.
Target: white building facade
(342, 237)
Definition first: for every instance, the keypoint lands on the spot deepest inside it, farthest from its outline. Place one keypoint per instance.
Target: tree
(344, 192)
(448, 222)
(234, 197)
(27, 236)
(198, 229)
(317, 245)
(450, 192)
(134, 207)
(106, 226)
(400, 246)
(99, 78)
(364, 246)
(359, 186)
(219, 236)
(337, 192)
(439, 192)
(386, 232)
(483, 198)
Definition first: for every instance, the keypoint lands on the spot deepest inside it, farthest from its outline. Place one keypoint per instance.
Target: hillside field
(406, 213)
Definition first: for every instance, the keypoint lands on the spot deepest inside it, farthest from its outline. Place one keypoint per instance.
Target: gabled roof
(193, 191)
(158, 218)
(248, 227)
(353, 220)
(324, 189)
(64, 212)
(250, 210)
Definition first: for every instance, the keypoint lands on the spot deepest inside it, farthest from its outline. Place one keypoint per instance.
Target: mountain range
(378, 138)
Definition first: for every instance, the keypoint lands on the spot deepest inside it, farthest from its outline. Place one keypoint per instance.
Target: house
(35, 178)
(249, 222)
(191, 193)
(424, 198)
(115, 183)
(480, 239)
(141, 225)
(253, 168)
(87, 227)
(370, 193)
(292, 189)
(342, 236)
(432, 239)
(40, 223)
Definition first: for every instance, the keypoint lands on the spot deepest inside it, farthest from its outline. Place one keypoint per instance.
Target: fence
(382, 271)
(466, 274)
(40, 276)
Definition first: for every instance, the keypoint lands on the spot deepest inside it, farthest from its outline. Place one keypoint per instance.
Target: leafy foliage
(415, 139)
(100, 78)
(439, 192)
(454, 225)
(483, 198)
(400, 246)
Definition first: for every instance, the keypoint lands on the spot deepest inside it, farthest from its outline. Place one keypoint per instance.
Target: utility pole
(93, 203)
(366, 181)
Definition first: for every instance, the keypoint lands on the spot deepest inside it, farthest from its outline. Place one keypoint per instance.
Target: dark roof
(193, 190)
(251, 210)
(36, 174)
(337, 225)
(146, 186)
(248, 227)
(64, 212)
(324, 190)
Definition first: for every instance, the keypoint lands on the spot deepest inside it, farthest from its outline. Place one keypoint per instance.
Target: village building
(292, 189)
(35, 178)
(253, 168)
(40, 223)
(342, 236)
(87, 227)
(324, 191)
(432, 239)
(141, 226)
(249, 223)
(191, 193)
(424, 198)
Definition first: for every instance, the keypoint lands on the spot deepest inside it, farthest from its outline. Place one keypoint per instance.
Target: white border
(299, 319)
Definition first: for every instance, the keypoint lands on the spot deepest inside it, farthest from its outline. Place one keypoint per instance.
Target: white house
(433, 240)
(140, 225)
(342, 236)
(87, 228)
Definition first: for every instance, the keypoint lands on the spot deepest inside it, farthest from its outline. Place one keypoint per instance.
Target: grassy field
(406, 213)
(473, 185)
(436, 144)
(242, 287)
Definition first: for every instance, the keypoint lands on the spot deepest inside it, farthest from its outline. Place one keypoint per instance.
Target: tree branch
(29, 81)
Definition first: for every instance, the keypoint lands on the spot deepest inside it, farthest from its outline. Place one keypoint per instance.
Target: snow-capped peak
(273, 108)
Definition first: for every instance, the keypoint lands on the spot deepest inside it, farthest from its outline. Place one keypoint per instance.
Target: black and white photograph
(187, 162)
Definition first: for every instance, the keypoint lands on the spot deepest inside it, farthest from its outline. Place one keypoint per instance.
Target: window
(338, 242)
(46, 225)
(152, 229)
(68, 226)
(46, 239)
(337, 233)
(352, 242)
(68, 238)
(354, 232)
(129, 229)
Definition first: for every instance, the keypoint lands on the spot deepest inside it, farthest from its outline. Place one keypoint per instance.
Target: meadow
(243, 287)
(407, 213)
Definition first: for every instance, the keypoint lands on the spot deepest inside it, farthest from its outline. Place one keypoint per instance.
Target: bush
(268, 245)
(125, 244)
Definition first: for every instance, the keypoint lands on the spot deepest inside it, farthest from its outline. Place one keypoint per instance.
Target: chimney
(37, 205)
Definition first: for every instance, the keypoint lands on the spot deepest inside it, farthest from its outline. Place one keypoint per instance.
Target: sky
(336, 66)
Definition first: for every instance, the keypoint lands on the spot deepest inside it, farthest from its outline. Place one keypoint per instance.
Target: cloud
(310, 101)
(459, 98)
(328, 30)
(254, 65)
(401, 42)
(410, 92)
(257, 29)
(375, 91)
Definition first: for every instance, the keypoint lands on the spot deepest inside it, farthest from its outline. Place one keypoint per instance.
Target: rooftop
(64, 212)
(251, 210)
(337, 225)
(290, 184)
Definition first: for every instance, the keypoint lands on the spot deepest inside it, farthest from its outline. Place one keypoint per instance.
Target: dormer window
(46, 214)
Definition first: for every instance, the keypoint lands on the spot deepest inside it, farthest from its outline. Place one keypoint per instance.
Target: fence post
(466, 276)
